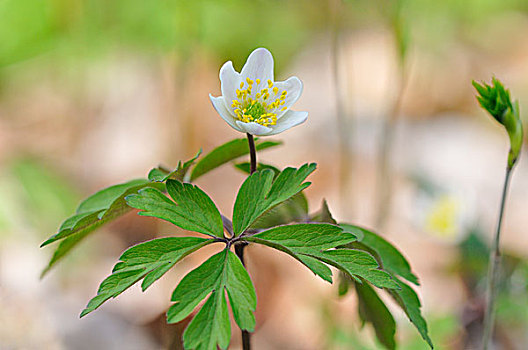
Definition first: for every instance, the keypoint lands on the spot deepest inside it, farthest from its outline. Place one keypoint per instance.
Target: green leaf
(394, 262)
(210, 327)
(391, 259)
(358, 264)
(161, 174)
(98, 209)
(496, 100)
(227, 152)
(103, 207)
(373, 310)
(324, 214)
(65, 246)
(317, 242)
(193, 210)
(246, 167)
(294, 209)
(302, 241)
(408, 300)
(148, 261)
(260, 192)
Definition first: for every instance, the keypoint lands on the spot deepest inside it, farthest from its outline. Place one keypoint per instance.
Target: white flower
(252, 102)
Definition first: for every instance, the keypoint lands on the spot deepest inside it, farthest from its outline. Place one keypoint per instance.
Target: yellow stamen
(255, 109)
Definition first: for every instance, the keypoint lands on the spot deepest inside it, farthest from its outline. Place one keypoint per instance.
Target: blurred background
(94, 93)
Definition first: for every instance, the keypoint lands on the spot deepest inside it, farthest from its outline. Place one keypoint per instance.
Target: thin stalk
(240, 246)
(252, 154)
(384, 194)
(343, 126)
(493, 270)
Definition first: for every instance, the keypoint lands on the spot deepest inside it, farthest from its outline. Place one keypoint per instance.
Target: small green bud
(497, 101)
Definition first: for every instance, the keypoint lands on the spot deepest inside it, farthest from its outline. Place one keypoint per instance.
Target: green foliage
(227, 152)
(210, 327)
(324, 215)
(313, 245)
(391, 259)
(98, 209)
(373, 310)
(65, 246)
(148, 261)
(191, 209)
(408, 300)
(395, 263)
(294, 209)
(496, 100)
(246, 167)
(356, 264)
(161, 175)
(299, 238)
(260, 192)
(100, 206)
(109, 204)
(267, 198)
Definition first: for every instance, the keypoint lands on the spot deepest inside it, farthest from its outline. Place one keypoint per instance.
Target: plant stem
(246, 336)
(252, 154)
(493, 270)
(240, 246)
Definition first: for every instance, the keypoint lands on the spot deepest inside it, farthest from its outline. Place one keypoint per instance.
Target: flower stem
(240, 246)
(252, 154)
(246, 336)
(493, 270)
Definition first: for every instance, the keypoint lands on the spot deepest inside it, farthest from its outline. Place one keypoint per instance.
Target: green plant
(270, 209)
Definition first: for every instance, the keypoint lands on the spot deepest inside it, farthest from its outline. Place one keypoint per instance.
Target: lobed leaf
(260, 192)
(148, 261)
(227, 152)
(358, 264)
(246, 167)
(97, 210)
(408, 300)
(210, 327)
(395, 263)
(373, 310)
(94, 208)
(105, 206)
(65, 246)
(294, 209)
(391, 259)
(324, 215)
(160, 174)
(191, 210)
(304, 241)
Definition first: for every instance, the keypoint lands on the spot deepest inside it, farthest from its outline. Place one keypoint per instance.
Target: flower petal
(253, 128)
(289, 120)
(258, 65)
(230, 81)
(294, 88)
(220, 105)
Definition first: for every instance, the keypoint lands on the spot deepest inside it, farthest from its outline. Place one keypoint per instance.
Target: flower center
(261, 107)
